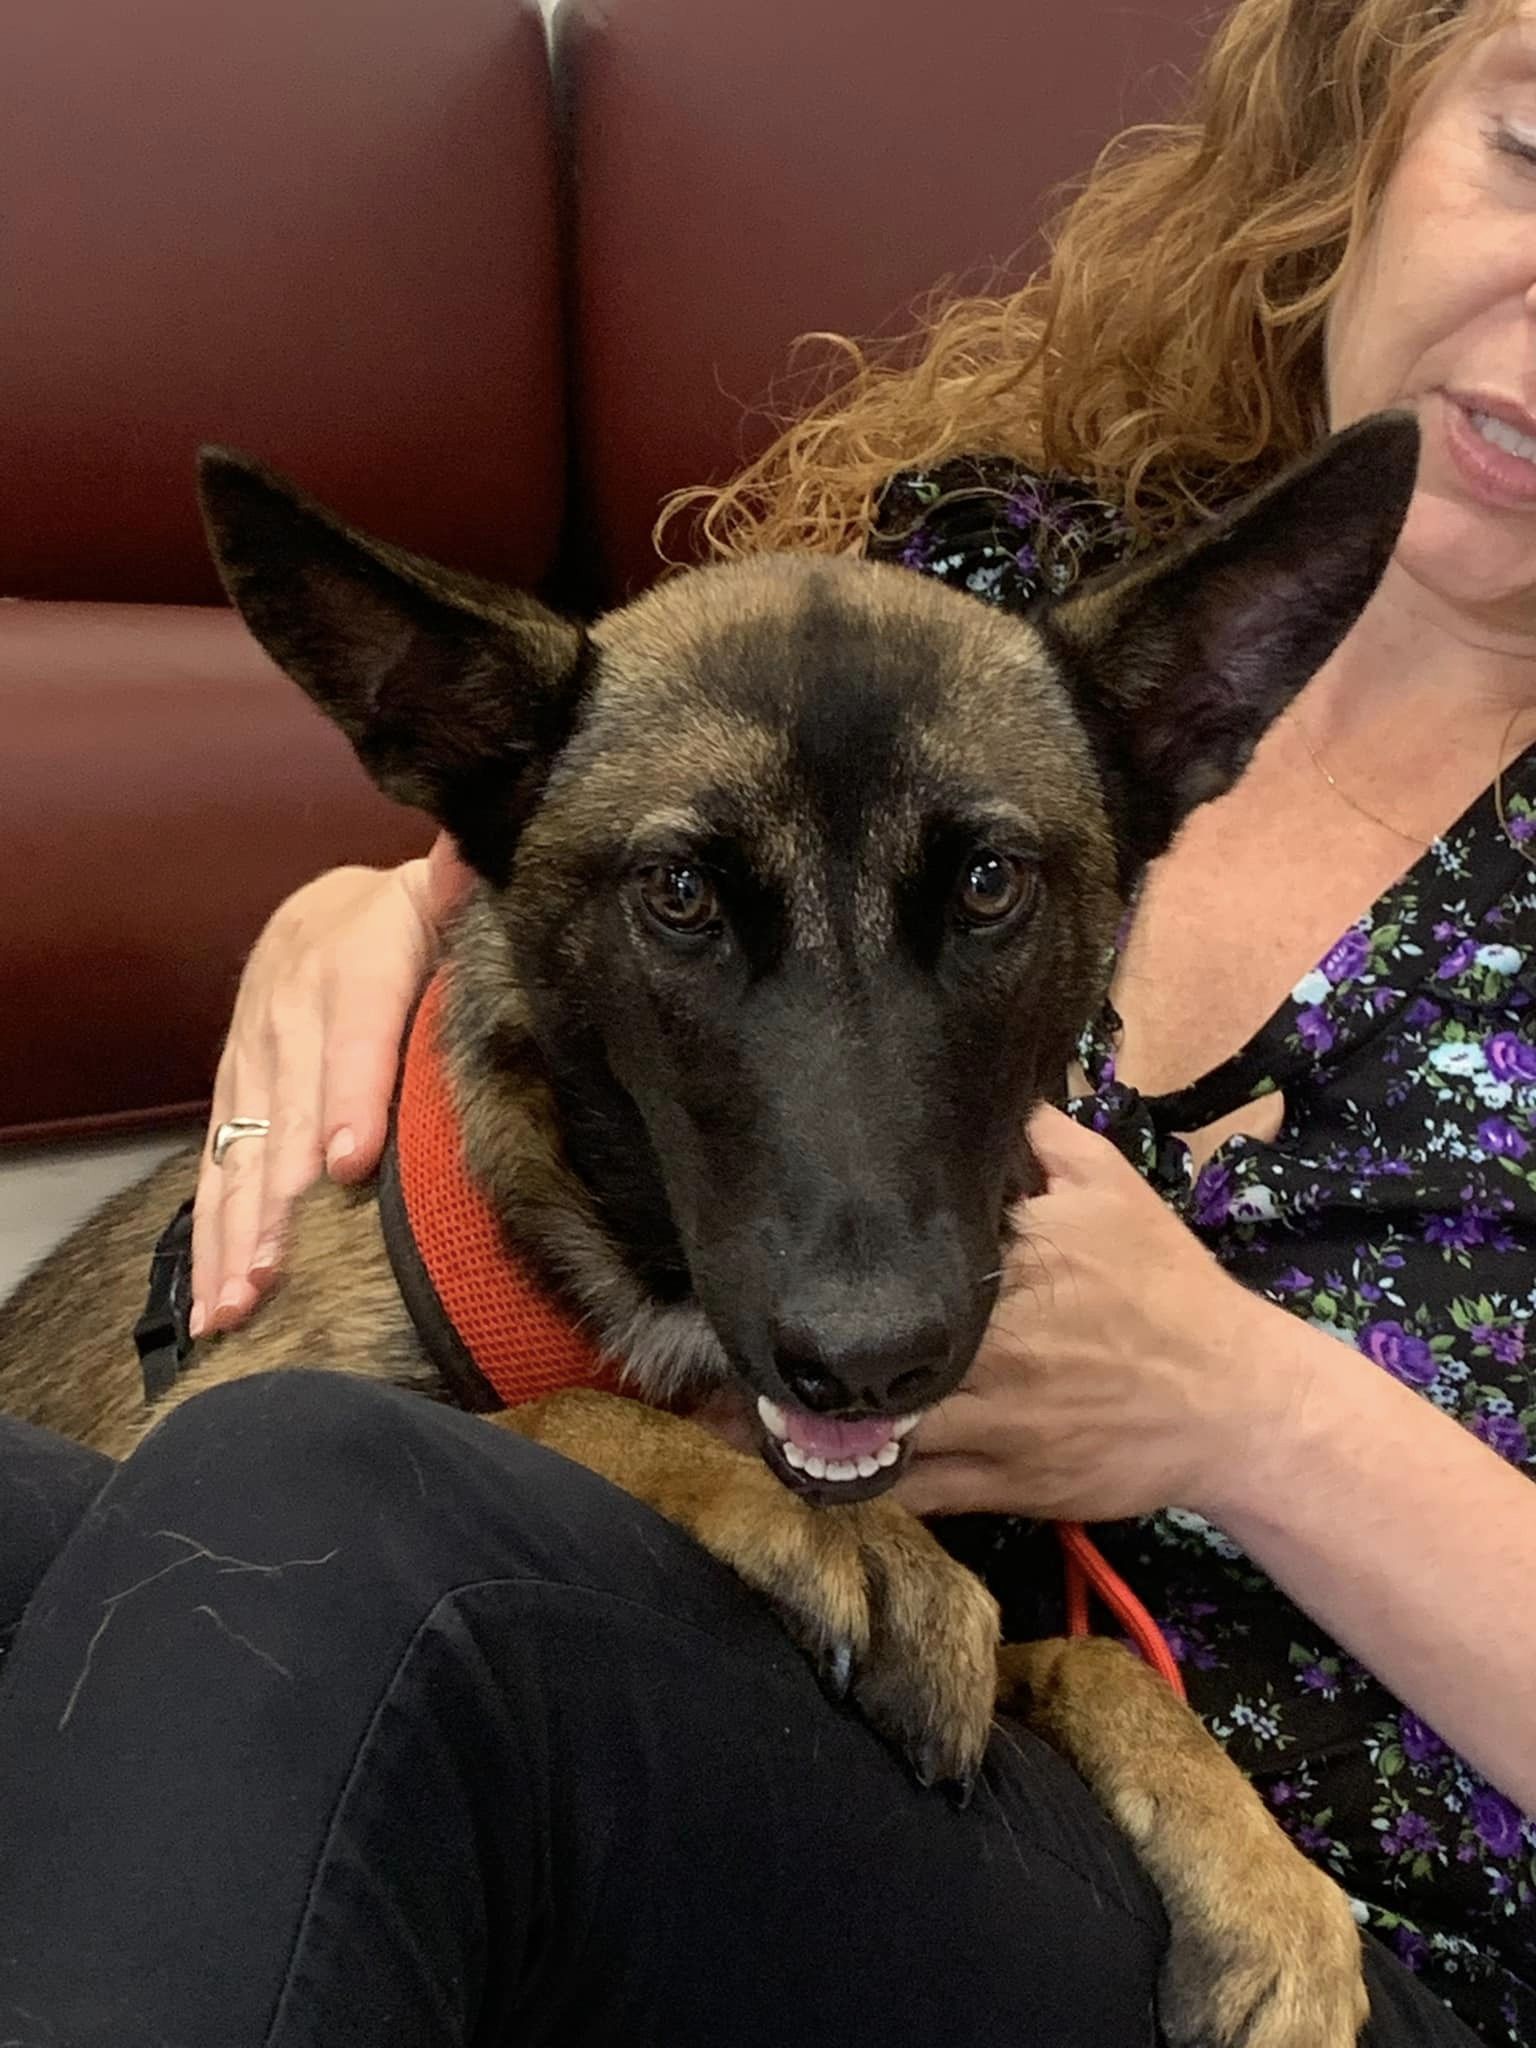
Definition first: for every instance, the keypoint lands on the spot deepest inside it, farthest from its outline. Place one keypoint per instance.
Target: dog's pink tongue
(823, 1438)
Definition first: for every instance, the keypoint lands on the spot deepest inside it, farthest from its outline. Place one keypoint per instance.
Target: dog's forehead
(829, 686)
(761, 635)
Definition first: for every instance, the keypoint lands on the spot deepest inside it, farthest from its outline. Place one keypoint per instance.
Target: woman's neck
(1417, 664)
(1385, 749)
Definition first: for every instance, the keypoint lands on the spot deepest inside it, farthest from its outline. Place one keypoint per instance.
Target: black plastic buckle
(161, 1334)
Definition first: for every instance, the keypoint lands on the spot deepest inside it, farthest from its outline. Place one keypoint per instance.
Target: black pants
(335, 1718)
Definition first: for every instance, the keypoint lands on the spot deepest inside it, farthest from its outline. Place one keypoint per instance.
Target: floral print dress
(1396, 1210)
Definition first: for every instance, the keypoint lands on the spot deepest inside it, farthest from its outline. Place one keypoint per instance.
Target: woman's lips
(1495, 475)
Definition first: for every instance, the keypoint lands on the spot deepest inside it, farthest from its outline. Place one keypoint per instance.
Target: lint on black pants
(334, 1719)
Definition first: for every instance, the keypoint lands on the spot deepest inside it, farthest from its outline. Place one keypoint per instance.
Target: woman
(1322, 1058)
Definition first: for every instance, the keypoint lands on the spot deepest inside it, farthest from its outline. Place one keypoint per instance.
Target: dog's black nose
(832, 1370)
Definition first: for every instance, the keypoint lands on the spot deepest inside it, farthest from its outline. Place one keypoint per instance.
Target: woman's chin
(1475, 560)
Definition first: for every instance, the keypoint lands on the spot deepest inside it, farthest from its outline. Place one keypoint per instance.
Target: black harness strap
(161, 1335)
(440, 1340)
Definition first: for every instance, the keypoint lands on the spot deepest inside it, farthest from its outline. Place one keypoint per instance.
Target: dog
(797, 879)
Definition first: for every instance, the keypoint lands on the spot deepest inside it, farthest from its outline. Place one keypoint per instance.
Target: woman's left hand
(1122, 1368)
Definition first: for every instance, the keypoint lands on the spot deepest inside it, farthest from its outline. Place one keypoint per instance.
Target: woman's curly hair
(1169, 352)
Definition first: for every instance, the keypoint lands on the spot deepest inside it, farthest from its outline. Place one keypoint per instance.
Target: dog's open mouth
(834, 1461)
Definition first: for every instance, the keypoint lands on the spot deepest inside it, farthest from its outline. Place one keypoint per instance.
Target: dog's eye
(679, 897)
(993, 887)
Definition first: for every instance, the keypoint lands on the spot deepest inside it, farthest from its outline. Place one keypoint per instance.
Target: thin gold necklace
(1414, 839)
(1417, 839)
(1498, 788)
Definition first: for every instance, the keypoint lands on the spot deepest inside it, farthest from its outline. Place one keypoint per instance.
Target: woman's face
(1438, 312)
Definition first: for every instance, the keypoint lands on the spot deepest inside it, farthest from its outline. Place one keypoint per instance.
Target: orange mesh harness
(494, 1331)
(498, 1336)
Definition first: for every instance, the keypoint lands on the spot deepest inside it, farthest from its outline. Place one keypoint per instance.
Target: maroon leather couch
(492, 297)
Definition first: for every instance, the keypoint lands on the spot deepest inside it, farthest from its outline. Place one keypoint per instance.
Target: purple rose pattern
(1397, 1212)
(1405, 1356)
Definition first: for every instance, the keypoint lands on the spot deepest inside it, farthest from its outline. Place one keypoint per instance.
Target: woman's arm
(1124, 1372)
(1410, 1541)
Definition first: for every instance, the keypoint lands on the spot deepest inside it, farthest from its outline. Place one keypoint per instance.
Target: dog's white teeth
(1504, 436)
(836, 1470)
(775, 1421)
(841, 1470)
(905, 1424)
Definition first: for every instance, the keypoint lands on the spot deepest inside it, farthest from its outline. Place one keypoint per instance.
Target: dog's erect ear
(456, 694)
(1180, 663)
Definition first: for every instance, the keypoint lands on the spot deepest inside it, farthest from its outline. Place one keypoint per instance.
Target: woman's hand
(1124, 1372)
(1119, 1372)
(314, 1046)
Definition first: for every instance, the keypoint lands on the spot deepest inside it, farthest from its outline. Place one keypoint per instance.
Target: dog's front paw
(886, 1616)
(928, 1677)
(1263, 1951)
(884, 1613)
(1284, 1971)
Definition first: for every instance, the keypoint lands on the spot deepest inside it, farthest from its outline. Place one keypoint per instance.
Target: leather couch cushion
(162, 786)
(321, 230)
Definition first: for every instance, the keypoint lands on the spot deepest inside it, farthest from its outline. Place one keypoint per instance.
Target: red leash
(1086, 1569)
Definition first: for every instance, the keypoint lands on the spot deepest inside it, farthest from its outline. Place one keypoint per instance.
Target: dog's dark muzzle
(848, 1264)
(842, 1374)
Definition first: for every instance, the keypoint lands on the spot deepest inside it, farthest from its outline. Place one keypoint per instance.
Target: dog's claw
(925, 1678)
(912, 1634)
(837, 1669)
(933, 1768)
